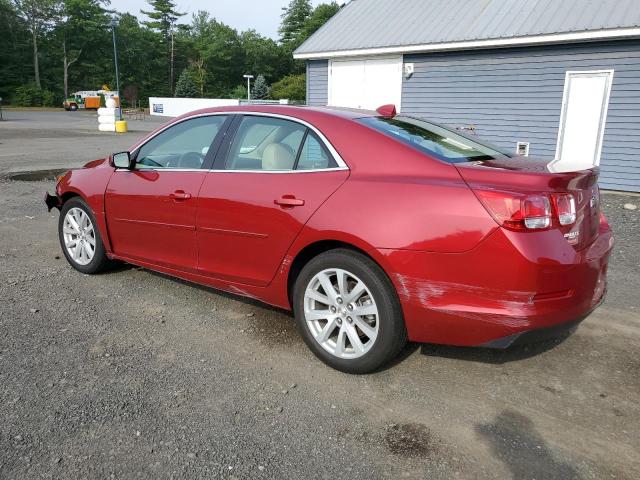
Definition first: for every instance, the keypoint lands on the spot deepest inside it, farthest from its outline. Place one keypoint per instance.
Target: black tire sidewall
(99, 260)
(391, 334)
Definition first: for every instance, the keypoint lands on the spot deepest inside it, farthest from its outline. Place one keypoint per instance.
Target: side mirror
(121, 160)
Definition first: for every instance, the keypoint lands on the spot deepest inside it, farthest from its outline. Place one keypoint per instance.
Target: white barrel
(110, 103)
(102, 119)
(106, 111)
(107, 127)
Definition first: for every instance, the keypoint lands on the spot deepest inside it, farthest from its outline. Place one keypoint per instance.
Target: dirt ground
(131, 374)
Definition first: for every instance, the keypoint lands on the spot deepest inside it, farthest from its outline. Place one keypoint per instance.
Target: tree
(294, 17)
(321, 15)
(260, 88)
(39, 15)
(185, 87)
(163, 19)
(82, 27)
(292, 87)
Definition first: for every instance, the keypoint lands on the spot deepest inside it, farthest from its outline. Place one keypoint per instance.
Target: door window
(184, 145)
(314, 155)
(265, 143)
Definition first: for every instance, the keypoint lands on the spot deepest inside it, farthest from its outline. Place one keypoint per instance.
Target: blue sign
(158, 108)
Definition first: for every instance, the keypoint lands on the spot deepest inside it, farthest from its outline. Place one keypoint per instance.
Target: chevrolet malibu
(374, 228)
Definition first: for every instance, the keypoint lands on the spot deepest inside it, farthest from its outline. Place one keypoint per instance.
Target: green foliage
(186, 87)
(163, 15)
(292, 87)
(260, 88)
(239, 91)
(30, 95)
(294, 17)
(77, 33)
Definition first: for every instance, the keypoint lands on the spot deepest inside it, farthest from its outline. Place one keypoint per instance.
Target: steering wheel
(190, 160)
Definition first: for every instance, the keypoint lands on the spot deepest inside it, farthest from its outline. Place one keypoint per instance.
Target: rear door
(151, 209)
(267, 182)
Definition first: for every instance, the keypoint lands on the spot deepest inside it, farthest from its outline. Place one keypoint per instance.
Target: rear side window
(314, 155)
(434, 140)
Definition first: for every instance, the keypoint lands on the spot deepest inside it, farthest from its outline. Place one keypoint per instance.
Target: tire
(82, 259)
(73, 108)
(377, 337)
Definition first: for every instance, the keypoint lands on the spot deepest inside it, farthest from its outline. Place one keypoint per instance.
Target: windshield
(435, 140)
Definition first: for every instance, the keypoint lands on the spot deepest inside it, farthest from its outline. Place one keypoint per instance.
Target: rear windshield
(434, 140)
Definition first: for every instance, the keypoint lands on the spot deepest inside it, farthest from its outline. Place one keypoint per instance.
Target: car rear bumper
(510, 289)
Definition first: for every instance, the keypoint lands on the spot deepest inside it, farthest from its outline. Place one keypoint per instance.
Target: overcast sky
(261, 15)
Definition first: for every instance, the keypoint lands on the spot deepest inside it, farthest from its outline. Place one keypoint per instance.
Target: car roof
(296, 111)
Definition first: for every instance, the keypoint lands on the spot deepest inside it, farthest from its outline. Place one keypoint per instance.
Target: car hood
(96, 163)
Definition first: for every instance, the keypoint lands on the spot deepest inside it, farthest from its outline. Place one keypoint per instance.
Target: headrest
(277, 156)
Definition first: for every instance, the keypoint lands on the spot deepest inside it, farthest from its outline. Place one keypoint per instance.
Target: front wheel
(348, 312)
(80, 238)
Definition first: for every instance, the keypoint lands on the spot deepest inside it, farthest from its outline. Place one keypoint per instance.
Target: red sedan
(374, 229)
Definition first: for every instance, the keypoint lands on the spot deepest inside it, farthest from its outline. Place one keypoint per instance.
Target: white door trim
(603, 116)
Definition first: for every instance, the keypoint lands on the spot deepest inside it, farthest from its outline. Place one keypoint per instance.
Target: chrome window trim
(332, 151)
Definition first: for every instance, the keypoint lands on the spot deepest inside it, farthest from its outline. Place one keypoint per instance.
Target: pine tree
(260, 88)
(163, 18)
(186, 87)
(294, 17)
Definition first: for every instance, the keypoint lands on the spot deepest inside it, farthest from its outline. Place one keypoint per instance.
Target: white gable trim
(617, 33)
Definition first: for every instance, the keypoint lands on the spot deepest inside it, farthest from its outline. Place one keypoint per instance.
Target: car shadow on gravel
(491, 355)
(516, 442)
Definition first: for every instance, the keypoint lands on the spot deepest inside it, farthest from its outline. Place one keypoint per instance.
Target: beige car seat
(278, 156)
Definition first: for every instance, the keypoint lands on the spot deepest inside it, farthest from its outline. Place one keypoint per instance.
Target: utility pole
(248, 77)
(114, 24)
(171, 67)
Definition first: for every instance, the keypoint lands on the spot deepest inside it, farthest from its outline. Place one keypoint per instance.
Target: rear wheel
(73, 108)
(348, 312)
(80, 238)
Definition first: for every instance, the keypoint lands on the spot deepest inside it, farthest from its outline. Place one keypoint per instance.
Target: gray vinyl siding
(317, 82)
(515, 94)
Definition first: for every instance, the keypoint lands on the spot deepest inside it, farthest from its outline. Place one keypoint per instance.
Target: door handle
(289, 201)
(180, 195)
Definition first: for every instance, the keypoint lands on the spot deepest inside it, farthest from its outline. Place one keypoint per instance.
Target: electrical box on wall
(522, 148)
(408, 70)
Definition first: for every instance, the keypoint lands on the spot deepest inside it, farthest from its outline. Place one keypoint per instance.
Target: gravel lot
(131, 374)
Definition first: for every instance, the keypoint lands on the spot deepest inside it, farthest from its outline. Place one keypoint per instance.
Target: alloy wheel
(79, 236)
(341, 313)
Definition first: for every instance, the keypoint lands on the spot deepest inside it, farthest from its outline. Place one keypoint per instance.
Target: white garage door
(365, 83)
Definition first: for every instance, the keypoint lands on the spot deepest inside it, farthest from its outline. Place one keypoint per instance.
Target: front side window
(265, 143)
(434, 140)
(183, 145)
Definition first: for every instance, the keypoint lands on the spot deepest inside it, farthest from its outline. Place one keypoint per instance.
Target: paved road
(132, 374)
(33, 140)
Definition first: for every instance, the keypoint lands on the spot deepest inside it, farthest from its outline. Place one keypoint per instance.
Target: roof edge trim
(610, 34)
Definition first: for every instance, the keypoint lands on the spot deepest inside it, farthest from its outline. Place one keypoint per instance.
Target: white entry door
(582, 121)
(365, 83)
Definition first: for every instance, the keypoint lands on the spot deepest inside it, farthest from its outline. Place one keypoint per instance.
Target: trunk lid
(526, 175)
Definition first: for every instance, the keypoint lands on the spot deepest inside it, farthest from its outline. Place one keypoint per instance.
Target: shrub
(30, 95)
(185, 86)
(292, 87)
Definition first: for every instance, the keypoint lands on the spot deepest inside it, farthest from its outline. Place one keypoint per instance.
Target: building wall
(317, 82)
(515, 94)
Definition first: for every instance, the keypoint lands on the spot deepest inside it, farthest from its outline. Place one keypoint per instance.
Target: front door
(151, 209)
(582, 122)
(274, 176)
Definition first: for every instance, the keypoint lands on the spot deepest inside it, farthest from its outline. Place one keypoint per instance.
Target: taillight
(517, 211)
(565, 206)
(521, 211)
